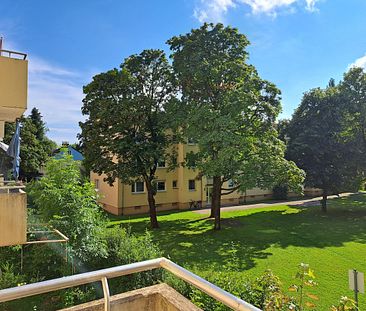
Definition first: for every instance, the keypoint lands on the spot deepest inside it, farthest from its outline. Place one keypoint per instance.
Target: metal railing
(7, 186)
(11, 184)
(103, 275)
(10, 53)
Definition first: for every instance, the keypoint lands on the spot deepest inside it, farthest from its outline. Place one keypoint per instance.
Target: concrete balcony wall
(13, 88)
(154, 298)
(13, 217)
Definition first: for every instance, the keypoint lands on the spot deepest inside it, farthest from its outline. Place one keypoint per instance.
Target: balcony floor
(153, 298)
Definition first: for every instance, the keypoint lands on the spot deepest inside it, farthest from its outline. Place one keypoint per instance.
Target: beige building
(13, 86)
(13, 103)
(178, 189)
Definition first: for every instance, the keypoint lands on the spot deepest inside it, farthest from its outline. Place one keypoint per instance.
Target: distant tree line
(326, 136)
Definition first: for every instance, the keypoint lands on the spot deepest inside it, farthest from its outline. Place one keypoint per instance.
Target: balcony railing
(10, 186)
(103, 275)
(10, 54)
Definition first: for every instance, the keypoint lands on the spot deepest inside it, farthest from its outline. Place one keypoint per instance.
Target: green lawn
(277, 238)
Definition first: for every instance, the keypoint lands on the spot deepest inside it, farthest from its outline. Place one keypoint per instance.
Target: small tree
(126, 133)
(230, 113)
(304, 279)
(71, 206)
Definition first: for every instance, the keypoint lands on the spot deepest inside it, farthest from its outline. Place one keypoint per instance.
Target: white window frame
(160, 181)
(230, 184)
(176, 184)
(134, 187)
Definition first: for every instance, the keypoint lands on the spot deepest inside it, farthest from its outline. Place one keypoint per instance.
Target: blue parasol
(14, 150)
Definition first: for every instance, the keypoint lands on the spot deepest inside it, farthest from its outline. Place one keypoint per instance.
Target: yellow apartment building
(181, 188)
(13, 103)
(13, 86)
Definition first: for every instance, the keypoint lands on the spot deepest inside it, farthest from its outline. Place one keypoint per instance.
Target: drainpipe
(201, 191)
(123, 196)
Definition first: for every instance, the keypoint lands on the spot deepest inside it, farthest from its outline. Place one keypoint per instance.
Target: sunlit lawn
(277, 238)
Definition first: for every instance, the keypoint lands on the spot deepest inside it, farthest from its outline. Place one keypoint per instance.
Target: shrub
(70, 205)
(264, 292)
(8, 276)
(280, 192)
(125, 248)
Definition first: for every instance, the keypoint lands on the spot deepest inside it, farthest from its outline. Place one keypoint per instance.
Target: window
(230, 183)
(191, 141)
(161, 163)
(96, 184)
(191, 185)
(160, 186)
(175, 184)
(138, 187)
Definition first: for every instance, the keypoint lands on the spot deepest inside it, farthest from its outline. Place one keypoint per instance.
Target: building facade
(13, 86)
(181, 188)
(13, 103)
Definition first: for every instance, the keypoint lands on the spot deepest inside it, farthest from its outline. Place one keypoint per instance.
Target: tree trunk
(212, 214)
(324, 201)
(152, 208)
(216, 201)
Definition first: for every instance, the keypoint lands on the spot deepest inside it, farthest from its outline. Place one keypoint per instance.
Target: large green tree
(230, 112)
(316, 145)
(126, 131)
(35, 146)
(353, 101)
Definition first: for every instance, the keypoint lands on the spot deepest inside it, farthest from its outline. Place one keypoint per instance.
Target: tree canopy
(316, 145)
(230, 112)
(353, 100)
(126, 131)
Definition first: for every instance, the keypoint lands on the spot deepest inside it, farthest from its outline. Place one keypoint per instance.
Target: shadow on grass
(247, 235)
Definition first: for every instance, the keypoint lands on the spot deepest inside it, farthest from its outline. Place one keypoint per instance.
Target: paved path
(312, 201)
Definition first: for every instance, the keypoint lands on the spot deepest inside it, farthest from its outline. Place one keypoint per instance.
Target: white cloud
(215, 10)
(57, 93)
(40, 66)
(267, 6)
(310, 5)
(359, 62)
(212, 10)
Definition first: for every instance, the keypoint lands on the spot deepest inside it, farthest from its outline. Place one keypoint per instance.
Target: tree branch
(229, 191)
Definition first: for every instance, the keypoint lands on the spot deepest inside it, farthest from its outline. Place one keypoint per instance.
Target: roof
(76, 155)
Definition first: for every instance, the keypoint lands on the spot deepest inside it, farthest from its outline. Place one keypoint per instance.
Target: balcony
(13, 85)
(13, 214)
(159, 297)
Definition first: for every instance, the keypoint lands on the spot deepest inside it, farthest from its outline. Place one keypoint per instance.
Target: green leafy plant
(8, 276)
(123, 247)
(345, 304)
(305, 279)
(70, 205)
(264, 292)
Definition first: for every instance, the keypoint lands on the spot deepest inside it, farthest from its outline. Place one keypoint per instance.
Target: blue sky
(297, 44)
